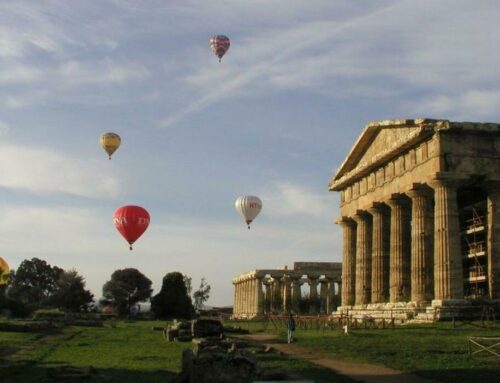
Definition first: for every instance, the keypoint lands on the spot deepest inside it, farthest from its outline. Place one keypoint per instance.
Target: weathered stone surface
(434, 175)
(184, 331)
(206, 328)
(215, 366)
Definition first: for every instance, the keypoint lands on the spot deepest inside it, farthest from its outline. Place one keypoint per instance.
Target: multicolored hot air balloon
(4, 272)
(131, 221)
(110, 142)
(249, 207)
(219, 45)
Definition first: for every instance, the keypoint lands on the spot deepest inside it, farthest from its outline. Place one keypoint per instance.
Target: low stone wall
(403, 312)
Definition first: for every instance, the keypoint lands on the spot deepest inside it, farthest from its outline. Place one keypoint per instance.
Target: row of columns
(282, 295)
(248, 296)
(400, 251)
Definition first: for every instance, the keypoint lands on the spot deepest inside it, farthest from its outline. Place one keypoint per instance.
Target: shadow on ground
(27, 372)
(470, 375)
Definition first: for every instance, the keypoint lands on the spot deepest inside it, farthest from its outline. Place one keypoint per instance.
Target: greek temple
(310, 288)
(420, 216)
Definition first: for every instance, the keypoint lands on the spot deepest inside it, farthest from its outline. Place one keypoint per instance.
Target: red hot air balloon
(219, 44)
(131, 221)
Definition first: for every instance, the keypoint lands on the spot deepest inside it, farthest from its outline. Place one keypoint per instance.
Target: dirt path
(363, 372)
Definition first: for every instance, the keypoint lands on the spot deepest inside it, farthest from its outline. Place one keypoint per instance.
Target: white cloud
(381, 52)
(468, 105)
(14, 72)
(286, 199)
(4, 128)
(42, 170)
(107, 71)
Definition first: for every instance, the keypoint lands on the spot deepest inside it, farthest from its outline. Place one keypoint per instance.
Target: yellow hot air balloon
(110, 142)
(4, 271)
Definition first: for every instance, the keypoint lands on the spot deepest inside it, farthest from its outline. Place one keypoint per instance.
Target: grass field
(440, 352)
(132, 352)
(124, 352)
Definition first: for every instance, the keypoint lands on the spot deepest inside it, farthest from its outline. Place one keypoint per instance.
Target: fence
(488, 345)
(317, 322)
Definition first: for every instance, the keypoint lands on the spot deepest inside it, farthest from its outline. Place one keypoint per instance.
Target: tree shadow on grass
(50, 373)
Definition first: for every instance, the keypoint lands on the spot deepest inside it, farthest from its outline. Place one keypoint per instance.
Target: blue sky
(274, 119)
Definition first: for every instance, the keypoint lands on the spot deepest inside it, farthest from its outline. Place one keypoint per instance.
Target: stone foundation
(438, 310)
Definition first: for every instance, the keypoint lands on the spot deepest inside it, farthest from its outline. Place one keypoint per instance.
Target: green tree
(201, 295)
(33, 284)
(173, 300)
(71, 294)
(3, 290)
(126, 288)
(188, 281)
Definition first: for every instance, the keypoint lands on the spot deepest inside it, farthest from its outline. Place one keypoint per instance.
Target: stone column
(272, 286)
(248, 296)
(253, 297)
(276, 306)
(493, 246)
(400, 250)
(244, 301)
(235, 297)
(236, 308)
(313, 294)
(268, 297)
(287, 294)
(255, 304)
(380, 253)
(323, 295)
(259, 297)
(448, 268)
(363, 257)
(422, 243)
(330, 295)
(296, 294)
(339, 294)
(241, 297)
(348, 260)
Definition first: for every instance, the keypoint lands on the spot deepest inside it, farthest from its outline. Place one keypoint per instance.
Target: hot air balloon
(4, 272)
(219, 45)
(110, 142)
(131, 221)
(249, 207)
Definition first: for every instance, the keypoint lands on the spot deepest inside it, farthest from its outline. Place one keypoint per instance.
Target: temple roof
(373, 148)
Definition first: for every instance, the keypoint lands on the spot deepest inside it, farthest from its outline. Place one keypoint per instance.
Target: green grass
(130, 352)
(119, 352)
(440, 353)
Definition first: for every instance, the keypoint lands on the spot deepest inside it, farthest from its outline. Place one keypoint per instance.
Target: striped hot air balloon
(249, 207)
(219, 45)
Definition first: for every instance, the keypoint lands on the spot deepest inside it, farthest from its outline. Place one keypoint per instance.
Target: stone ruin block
(222, 361)
(207, 328)
(214, 365)
(199, 328)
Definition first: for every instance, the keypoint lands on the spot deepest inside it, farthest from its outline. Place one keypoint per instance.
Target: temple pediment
(381, 141)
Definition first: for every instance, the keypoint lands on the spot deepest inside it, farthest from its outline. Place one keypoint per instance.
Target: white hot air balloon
(249, 207)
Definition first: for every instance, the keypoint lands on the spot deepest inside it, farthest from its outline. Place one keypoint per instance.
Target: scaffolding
(474, 234)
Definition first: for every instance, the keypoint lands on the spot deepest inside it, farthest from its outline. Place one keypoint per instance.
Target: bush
(49, 314)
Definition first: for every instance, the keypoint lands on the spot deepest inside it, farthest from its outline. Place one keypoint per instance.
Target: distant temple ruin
(277, 291)
(420, 214)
